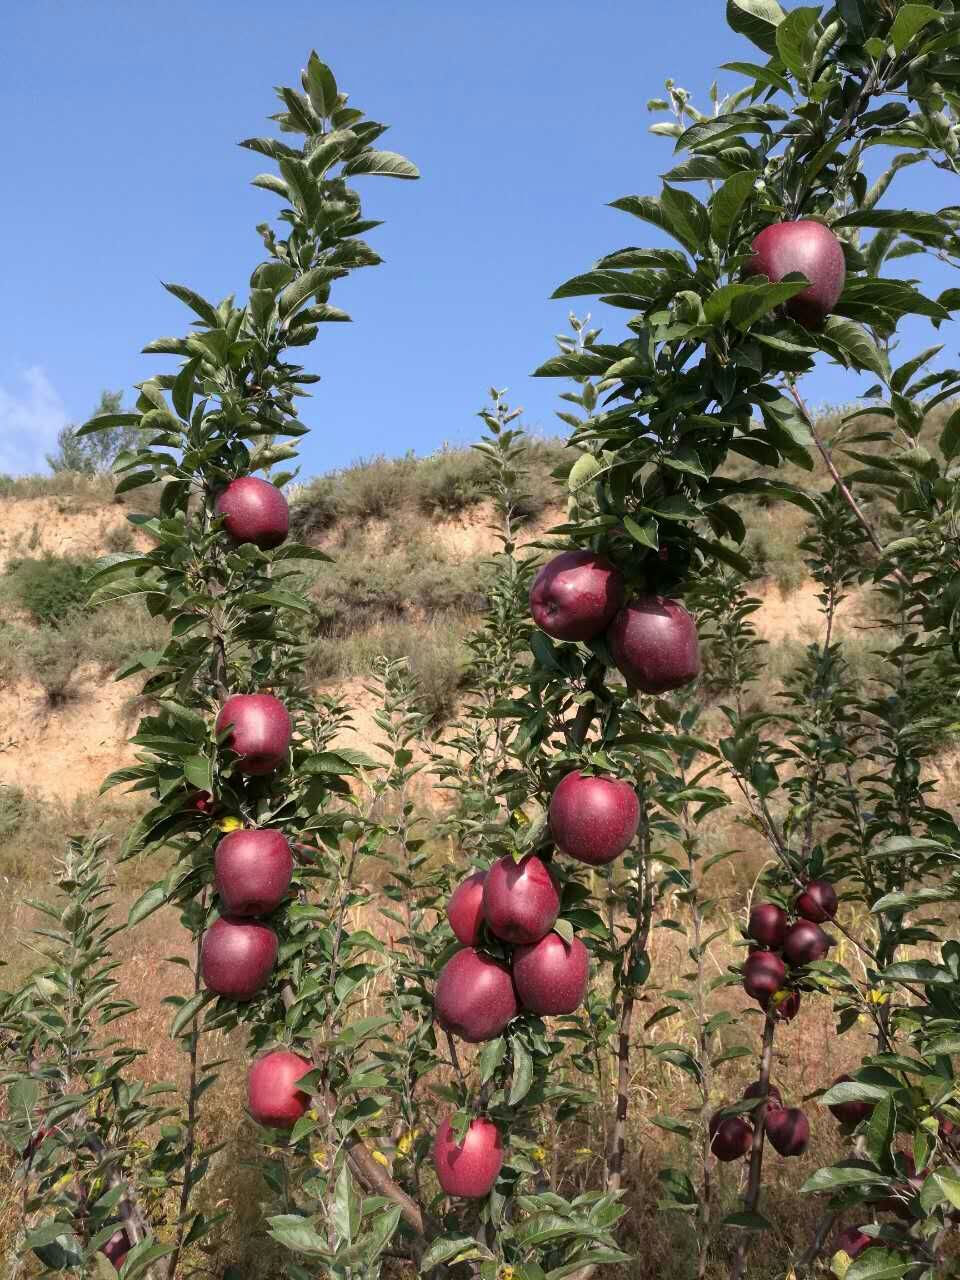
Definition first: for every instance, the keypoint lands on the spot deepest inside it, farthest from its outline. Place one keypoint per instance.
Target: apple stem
(752, 1196)
(812, 1251)
(189, 1148)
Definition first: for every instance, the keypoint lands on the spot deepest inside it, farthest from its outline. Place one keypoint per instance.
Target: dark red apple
(273, 1098)
(469, 1169)
(804, 943)
(237, 957)
(551, 975)
(783, 1004)
(731, 1137)
(755, 1090)
(763, 974)
(768, 924)
(520, 899)
(788, 1130)
(465, 909)
(117, 1247)
(813, 250)
(850, 1241)
(261, 731)
(575, 595)
(474, 998)
(252, 868)
(850, 1113)
(203, 802)
(593, 819)
(254, 510)
(818, 902)
(654, 643)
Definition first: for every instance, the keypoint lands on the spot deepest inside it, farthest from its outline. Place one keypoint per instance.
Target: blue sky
(121, 170)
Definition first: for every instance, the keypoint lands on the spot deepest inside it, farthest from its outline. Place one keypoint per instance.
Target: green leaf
(453, 1249)
(297, 1234)
(493, 1054)
(205, 310)
(189, 1010)
(726, 204)
(746, 1221)
(386, 163)
(950, 436)
(855, 345)
(796, 40)
(841, 1176)
(910, 19)
(878, 1264)
(345, 1212)
(765, 75)
(758, 20)
(645, 533)
(321, 87)
(522, 1071)
(308, 285)
(104, 421)
(146, 904)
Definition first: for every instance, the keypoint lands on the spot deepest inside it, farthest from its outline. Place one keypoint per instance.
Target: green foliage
(52, 589)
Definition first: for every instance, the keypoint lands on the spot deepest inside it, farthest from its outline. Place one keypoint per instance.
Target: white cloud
(29, 423)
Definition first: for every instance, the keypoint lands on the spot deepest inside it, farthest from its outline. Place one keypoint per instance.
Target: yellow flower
(539, 1154)
(230, 823)
(381, 1159)
(319, 1156)
(878, 997)
(505, 1273)
(583, 1151)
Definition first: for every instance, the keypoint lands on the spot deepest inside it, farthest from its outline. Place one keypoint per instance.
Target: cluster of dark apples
(787, 1129)
(779, 943)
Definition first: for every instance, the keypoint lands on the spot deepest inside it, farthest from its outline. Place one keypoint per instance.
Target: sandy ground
(58, 526)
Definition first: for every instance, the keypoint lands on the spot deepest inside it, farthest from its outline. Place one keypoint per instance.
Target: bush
(435, 650)
(51, 589)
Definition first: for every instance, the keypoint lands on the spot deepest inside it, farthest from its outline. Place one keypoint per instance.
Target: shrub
(51, 589)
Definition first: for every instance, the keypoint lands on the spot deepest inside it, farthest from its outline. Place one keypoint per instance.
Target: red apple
(261, 731)
(784, 1004)
(575, 595)
(850, 1113)
(731, 1137)
(763, 974)
(813, 250)
(768, 924)
(593, 819)
(469, 1169)
(254, 510)
(203, 802)
(465, 909)
(818, 902)
(551, 975)
(788, 1130)
(273, 1098)
(804, 943)
(520, 899)
(755, 1090)
(654, 642)
(474, 998)
(117, 1247)
(237, 957)
(252, 868)
(850, 1241)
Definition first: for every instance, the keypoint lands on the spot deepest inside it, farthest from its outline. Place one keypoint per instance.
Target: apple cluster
(653, 640)
(787, 1129)
(592, 819)
(779, 944)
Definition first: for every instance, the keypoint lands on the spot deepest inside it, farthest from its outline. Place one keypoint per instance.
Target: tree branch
(752, 1196)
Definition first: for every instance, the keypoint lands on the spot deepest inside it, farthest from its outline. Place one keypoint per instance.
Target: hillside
(409, 540)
